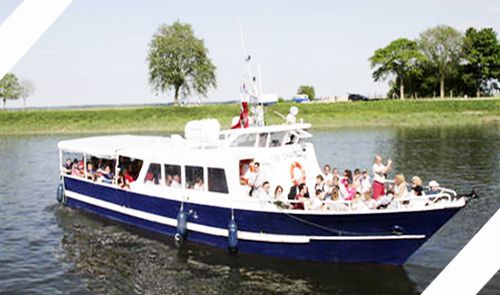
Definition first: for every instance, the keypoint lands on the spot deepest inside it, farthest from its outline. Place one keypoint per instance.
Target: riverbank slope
(413, 113)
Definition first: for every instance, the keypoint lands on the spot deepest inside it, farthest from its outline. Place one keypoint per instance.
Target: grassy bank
(322, 116)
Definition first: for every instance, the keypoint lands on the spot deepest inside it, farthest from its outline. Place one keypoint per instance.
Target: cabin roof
(108, 146)
(149, 147)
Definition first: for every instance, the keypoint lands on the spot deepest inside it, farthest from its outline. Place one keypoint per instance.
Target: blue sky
(95, 53)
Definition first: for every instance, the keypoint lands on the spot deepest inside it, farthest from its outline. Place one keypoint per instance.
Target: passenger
(168, 180)
(358, 202)
(265, 193)
(416, 186)
(317, 202)
(67, 166)
(433, 188)
(257, 179)
(301, 197)
(327, 171)
(366, 185)
(120, 179)
(379, 175)
(176, 181)
(294, 190)
(400, 186)
(343, 193)
(127, 175)
(107, 175)
(91, 172)
(335, 173)
(356, 180)
(320, 183)
(337, 204)
(347, 177)
(351, 191)
(279, 199)
(198, 184)
(329, 189)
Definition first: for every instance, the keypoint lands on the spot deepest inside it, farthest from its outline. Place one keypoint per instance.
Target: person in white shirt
(379, 171)
(327, 171)
(257, 179)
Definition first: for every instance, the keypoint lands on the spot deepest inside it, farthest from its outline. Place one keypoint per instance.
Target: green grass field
(414, 113)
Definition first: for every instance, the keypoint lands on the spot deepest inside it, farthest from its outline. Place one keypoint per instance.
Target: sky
(95, 53)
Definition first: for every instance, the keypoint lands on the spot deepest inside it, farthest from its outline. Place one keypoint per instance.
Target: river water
(47, 249)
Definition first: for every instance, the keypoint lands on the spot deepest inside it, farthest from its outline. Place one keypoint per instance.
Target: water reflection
(115, 259)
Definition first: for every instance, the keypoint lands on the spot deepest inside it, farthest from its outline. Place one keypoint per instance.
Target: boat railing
(444, 194)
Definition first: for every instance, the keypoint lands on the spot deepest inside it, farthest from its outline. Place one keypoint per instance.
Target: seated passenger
(121, 181)
(351, 191)
(198, 184)
(433, 188)
(127, 175)
(356, 180)
(176, 181)
(400, 189)
(91, 172)
(301, 197)
(107, 175)
(320, 184)
(316, 202)
(416, 186)
(366, 185)
(279, 199)
(149, 178)
(168, 180)
(67, 166)
(264, 193)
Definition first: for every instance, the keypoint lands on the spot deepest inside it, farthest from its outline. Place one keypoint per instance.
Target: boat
(195, 188)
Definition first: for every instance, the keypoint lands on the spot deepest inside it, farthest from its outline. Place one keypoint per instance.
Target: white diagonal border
(23, 28)
(474, 265)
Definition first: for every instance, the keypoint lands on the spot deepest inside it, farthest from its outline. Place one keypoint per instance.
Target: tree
(400, 58)
(442, 46)
(26, 88)
(482, 60)
(307, 90)
(9, 88)
(179, 61)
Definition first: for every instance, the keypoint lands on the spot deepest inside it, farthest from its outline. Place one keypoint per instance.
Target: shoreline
(323, 116)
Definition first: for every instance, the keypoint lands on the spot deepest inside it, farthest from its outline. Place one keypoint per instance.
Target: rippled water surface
(48, 249)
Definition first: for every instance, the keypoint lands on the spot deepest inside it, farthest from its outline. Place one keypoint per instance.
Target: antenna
(247, 57)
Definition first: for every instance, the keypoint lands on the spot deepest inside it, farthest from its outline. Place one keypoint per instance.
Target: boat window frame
(226, 191)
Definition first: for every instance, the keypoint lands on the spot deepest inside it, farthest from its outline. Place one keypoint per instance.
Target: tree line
(11, 88)
(441, 59)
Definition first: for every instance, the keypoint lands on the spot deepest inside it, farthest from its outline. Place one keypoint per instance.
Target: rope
(333, 230)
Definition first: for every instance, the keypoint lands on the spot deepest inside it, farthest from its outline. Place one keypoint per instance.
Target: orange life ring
(295, 180)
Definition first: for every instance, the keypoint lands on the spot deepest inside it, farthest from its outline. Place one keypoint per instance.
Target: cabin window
(129, 168)
(173, 176)
(276, 139)
(100, 169)
(217, 180)
(153, 176)
(194, 178)
(263, 139)
(73, 164)
(246, 140)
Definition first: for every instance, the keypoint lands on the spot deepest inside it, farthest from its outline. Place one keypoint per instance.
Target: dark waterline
(48, 249)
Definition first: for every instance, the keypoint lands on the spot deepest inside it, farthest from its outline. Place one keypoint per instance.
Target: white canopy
(108, 146)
